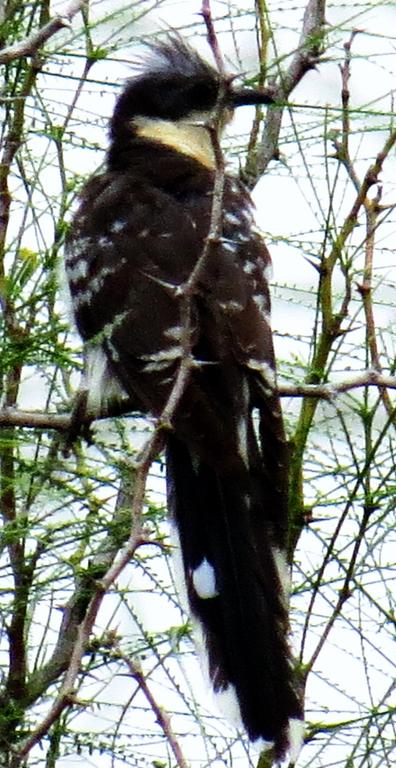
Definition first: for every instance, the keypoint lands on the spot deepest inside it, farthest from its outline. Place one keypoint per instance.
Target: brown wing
(135, 241)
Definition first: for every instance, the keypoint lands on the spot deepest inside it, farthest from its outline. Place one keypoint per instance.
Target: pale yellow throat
(189, 138)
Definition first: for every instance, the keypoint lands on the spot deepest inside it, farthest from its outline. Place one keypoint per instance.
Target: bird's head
(175, 97)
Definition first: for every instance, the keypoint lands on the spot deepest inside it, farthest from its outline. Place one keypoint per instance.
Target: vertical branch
(372, 208)
(263, 34)
(308, 54)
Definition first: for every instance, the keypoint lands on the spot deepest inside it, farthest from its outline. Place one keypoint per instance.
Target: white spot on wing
(96, 284)
(174, 332)
(247, 215)
(118, 226)
(242, 237)
(105, 242)
(249, 267)
(282, 569)
(229, 245)
(100, 385)
(78, 271)
(261, 303)
(204, 580)
(227, 702)
(105, 271)
(77, 248)
(230, 306)
(268, 272)
(265, 369)
(232, 219)
(235, 187)
(157, 361)
(296, 738)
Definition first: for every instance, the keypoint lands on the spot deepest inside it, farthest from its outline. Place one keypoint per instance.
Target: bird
(135, 240)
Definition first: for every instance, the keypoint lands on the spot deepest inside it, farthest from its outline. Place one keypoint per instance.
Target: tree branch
(11, 417)
(33, 43)
(309, 51)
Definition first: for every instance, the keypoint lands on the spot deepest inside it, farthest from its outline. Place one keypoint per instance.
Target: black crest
(175, 82)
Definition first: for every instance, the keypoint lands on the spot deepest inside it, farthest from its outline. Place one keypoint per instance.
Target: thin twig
(331, 329)
(372, 209)
(161, 715)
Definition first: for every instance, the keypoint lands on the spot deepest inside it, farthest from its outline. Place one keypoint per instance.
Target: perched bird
(138, 234)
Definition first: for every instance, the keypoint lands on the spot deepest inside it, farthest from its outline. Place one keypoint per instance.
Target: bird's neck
(191, 139)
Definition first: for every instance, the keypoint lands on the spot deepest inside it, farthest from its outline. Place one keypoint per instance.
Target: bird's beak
(239, 97)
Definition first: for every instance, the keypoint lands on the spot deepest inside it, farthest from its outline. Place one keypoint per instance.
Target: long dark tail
(235, 574)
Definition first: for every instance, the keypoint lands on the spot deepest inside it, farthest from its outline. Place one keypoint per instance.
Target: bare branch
(367, 378)
(10, 417)
(310, 47)
(206, 13)
(33, 43)
(308, 53)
